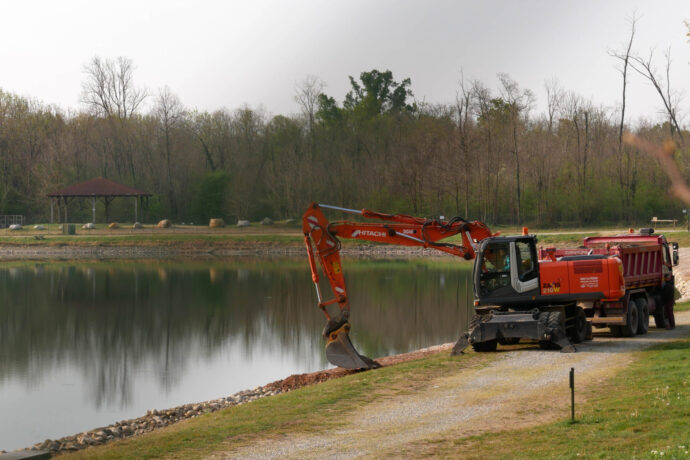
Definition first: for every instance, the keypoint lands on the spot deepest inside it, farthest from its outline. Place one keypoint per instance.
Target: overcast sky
(215, 54)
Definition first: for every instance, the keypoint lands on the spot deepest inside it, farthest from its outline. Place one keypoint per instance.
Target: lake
(84, 345)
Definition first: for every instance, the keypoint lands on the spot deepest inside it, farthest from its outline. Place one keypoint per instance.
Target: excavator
(517, 296)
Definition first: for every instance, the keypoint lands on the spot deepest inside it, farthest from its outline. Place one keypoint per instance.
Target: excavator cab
(506, 270)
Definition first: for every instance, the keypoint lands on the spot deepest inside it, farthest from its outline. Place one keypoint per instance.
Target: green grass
(683, 306)
(644, 412)
(152, 239)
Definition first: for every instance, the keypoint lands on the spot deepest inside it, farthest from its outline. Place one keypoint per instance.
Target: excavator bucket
(341, 352)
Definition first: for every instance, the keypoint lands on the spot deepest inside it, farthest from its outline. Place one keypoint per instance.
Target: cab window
(495, 268)
(525, 264)
(496, 258)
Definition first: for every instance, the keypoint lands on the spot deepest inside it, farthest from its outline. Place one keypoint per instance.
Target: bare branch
(109, 88)
(670, 99)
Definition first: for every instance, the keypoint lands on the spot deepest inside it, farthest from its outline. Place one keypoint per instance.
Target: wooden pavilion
(99, 188)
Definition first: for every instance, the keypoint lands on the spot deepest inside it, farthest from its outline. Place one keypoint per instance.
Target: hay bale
(89, 226)
(165, 223)
(216, 223)
(267, 221)
(137, 225)
(39, 227)
(14, 227)
(243, 223)
(113, 225)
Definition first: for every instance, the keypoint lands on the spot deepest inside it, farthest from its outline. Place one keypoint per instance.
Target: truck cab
(506, 270)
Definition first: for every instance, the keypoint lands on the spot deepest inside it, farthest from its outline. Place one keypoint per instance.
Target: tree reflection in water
(119, 322)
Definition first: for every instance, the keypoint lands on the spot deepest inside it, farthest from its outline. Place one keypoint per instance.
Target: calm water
(85, 345)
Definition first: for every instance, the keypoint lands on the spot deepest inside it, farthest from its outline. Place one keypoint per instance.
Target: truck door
(524, 273)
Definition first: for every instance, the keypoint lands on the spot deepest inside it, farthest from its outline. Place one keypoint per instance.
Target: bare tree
(554, 99)
(463, 106)
(627, 166)
(624, 58)
(109, 88)
(169, 112)
(307, 95)
(670, 99)
(520, 103)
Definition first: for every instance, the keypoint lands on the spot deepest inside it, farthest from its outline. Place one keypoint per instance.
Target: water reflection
(117, 339)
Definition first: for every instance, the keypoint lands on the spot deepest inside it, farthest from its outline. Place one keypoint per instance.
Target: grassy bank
(280, 234)
(639, 413)
(309, 409)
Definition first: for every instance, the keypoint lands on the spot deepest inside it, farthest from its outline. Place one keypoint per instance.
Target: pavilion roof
(98, 186)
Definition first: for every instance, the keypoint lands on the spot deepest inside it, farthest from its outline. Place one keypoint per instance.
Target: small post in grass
(572, 394)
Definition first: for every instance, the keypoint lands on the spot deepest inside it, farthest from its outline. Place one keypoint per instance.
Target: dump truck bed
(642, 256)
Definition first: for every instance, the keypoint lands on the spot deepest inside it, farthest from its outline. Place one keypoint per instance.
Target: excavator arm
(321, 238)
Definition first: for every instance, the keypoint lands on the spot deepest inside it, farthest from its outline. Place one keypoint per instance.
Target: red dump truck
(647, 265)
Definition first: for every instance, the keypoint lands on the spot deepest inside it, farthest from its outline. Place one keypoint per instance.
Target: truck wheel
(642, 315)
(552, 322)
(489, 345)
(659, 314)
(632, 320)
(578, 333)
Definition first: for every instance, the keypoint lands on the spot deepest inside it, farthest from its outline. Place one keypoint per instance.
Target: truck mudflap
(487, 330)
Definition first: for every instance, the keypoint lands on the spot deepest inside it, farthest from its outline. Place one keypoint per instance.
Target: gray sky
(217, 54)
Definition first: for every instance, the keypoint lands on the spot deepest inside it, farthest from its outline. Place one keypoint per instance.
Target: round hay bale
(267, 221)
(137, 225)
(14, 227)
(216, 223)
(165, 223)
(113, 225)
(89, 226)
(39, 227)
(243, 223)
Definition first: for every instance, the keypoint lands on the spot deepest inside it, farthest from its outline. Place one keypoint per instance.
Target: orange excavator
(552, 297)
(321, 237)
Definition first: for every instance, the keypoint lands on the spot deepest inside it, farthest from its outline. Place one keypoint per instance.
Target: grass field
(281, 233)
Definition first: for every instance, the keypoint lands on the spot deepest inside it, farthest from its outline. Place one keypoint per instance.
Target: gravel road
(519, 389)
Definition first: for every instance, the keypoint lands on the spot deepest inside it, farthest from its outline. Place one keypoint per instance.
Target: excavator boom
(321, 238)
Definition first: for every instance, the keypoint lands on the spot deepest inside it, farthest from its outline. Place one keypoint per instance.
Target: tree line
(487, 155)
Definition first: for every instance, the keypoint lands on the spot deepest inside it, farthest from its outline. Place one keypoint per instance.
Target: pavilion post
(51, 210)
(93, 209)
(136, 201)
(107, 209)
(66, 217)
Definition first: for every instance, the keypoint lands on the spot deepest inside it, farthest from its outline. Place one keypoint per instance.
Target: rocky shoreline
(153, 419)
(76, 252)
